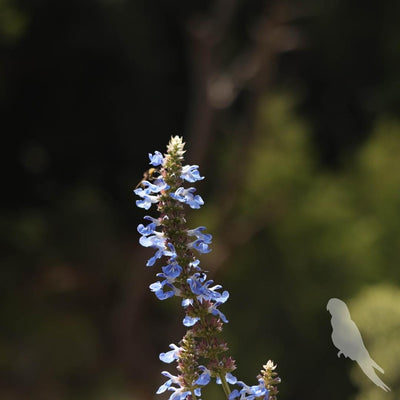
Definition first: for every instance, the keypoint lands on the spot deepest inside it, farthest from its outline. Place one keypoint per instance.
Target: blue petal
(186, 302)
(195, 286)
(171, 355)
(195, 264)
(156, 286)
(172, 270)
(200, 246)
(219, 314)
(190, 321)
(161, 295)
(152, 260)
(146, 230)
(157, 240)
(164, 387)
(224, 297)
(190, 173)
(145, 203)
(206, 237)
(204, 378)
(195, 202)
(179, 395)
(234, 394)
(230, 378)
(157, 186)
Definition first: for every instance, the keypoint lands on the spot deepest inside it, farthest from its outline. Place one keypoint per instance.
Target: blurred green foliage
(376, 311)
(13, 22)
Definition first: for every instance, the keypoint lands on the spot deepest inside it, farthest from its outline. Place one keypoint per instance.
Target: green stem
(193, 395)
(225, 385)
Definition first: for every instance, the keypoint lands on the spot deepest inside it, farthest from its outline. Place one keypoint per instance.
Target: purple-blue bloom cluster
(152, 238)
(183, 277)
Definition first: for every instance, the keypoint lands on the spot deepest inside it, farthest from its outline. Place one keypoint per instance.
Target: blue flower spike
(183, 277)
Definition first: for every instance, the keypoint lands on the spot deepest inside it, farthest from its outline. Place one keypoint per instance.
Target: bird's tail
(368, 368)
(376, 366)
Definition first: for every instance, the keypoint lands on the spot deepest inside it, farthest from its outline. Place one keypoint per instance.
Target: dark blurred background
(291, 110)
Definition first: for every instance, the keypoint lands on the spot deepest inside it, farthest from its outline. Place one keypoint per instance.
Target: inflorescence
(202, 354)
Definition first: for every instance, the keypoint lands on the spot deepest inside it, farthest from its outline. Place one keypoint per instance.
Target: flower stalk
(202, 353)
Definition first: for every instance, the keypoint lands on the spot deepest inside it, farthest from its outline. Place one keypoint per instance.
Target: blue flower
(152, 219)
(218, 313)
(186, 196)
(204, 293)
(198, 232)
(171, 252)
(147, 201)
(190, 173)
(152, 260)
(205, 378)
(148, 229)
(233, 395)
(229, 378)
(250, 392)
(200, 245)
(179, 392)
(166, 386)
(156, 159)
(172, 270)
(220, 298)
(171, 355)
(157, 186)
(195, 264)
(156, 241)
(202, 290)
(147, 193)
(196, 283)
(158, 289)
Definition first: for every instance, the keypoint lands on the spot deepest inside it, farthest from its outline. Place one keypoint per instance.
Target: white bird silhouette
(347, 338)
